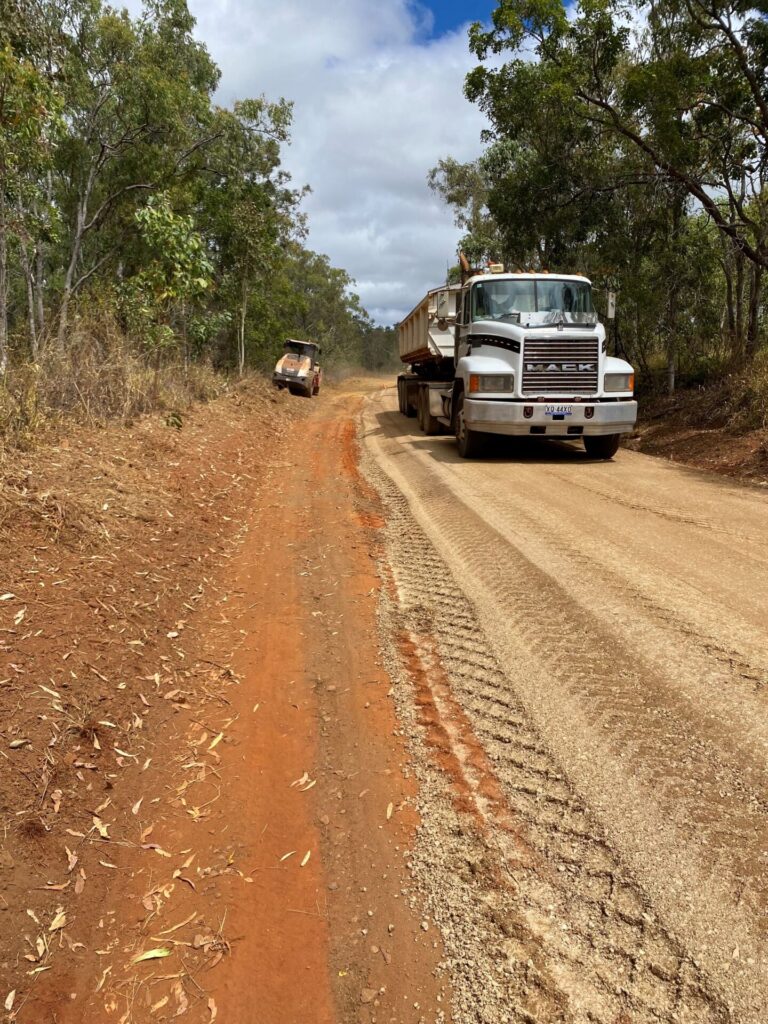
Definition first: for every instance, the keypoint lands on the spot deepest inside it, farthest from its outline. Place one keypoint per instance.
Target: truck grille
(560, 366)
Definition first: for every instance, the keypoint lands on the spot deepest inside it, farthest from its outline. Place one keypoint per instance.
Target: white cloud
(375, 107)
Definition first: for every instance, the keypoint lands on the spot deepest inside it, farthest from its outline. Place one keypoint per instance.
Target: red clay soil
(202, 800)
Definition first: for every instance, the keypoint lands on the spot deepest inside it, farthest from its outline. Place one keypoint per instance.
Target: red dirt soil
(197, 759)
(686, 428)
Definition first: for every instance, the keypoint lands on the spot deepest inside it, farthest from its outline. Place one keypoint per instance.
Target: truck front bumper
(509, 418)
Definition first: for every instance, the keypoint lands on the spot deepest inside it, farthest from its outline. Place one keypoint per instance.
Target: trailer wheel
(470, 442)
(428, 423)
(401, 396)
(601, 446)
(410, 410)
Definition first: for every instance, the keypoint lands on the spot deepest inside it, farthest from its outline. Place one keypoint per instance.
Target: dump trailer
(518, 354)
(298, 369)
(426, 343)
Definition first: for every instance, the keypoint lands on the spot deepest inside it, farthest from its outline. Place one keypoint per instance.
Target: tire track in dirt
(710, 669)
(701, 785)
(595, 566)
(573, 937)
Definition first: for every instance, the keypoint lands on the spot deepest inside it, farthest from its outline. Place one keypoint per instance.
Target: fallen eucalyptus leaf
(59, 920)
(152, 954)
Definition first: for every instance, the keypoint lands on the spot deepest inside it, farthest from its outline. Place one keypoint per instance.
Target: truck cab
(530, 359)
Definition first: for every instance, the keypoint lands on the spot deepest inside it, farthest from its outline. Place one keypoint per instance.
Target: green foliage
(125, 188)
(175, 275)
(637, 156)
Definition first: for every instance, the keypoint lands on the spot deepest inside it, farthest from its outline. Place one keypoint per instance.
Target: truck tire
(428, 423)
(402, 397)
(601, 446)
(470, 442)
(410, 410)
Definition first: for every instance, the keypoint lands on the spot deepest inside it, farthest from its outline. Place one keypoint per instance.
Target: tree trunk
(39, 275)
(241, 329)
(74, 258)
(39, 291)
(730, 313)
(32, 326)
(3, 288)
(739, 305)
(69, 279)
(678, 210)
(26, 267)
(753, 313)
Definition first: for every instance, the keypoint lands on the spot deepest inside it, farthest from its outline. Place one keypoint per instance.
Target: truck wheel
(428, 423)
(470, 442)
(410, 410)
(601, 446)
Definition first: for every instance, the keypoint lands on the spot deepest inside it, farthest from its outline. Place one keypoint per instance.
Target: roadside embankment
(694, 428)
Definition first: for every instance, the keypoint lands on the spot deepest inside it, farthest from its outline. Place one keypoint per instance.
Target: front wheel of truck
(470, 442)
(601, 446)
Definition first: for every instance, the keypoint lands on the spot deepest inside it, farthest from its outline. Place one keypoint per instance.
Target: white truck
(515, 354)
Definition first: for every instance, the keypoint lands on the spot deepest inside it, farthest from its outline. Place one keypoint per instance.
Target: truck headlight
(619, 382)
(491, 383)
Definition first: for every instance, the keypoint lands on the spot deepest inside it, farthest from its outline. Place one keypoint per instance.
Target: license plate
(558, 410)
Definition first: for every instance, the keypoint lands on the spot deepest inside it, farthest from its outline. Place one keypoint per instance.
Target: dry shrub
(99, 377)
(748, 395)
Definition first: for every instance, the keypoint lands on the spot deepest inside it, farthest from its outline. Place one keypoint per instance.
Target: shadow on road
(512, 450)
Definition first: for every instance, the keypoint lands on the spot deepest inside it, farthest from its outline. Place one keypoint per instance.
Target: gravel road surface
(580, 658)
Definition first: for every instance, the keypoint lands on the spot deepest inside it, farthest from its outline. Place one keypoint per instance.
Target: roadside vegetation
(629, 141)
(149, 238)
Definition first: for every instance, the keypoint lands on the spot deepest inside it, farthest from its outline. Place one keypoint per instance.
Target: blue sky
(451, 14)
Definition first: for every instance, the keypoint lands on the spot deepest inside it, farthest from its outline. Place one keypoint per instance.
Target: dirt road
(306, 719)
(591, 639)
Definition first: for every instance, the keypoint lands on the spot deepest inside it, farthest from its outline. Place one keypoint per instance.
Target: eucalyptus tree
(247, 205)
(28, 117)
(137, 109)
(681, 83)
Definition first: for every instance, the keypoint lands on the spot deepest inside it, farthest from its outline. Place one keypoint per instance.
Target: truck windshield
(507, 300)
(297, 349)
(568, 296)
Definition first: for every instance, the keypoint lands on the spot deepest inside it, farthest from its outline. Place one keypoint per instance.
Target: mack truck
(519, 354)
(298, 369)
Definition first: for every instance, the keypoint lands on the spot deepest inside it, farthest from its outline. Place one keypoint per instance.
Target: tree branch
(111, 199)
(97, 266)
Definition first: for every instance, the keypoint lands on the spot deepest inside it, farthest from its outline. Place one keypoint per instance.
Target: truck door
(462, 326)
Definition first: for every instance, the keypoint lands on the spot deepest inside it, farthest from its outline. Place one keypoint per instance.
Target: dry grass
(748, 395)
(100, 377)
